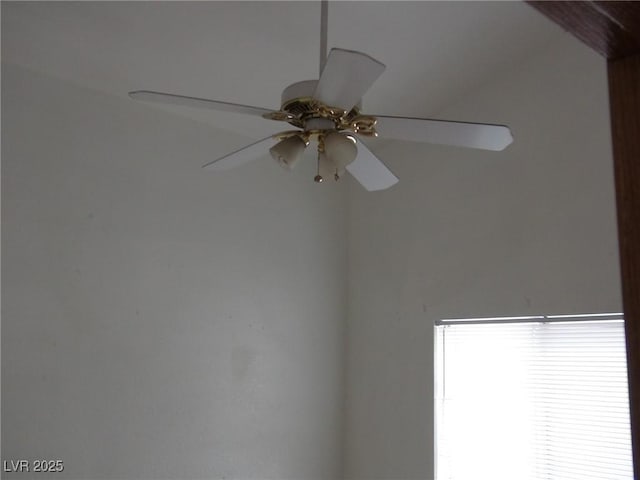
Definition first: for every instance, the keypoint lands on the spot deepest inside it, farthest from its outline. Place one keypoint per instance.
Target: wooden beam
(624, 102)
(610, 28)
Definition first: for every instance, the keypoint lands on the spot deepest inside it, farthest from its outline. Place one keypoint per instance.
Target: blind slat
(532, 401)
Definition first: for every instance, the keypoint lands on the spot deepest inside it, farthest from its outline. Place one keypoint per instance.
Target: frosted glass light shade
(288, 151)
(340, 150)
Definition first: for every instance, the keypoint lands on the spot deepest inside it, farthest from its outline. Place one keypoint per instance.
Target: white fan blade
(170, 99)
(346, 77)
(461, 134)
(370, 171)
(244, 155)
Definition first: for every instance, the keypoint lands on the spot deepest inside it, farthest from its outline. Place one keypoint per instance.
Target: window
(532, 398)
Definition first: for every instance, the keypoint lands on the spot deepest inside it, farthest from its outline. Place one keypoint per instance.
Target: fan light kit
(327, 112)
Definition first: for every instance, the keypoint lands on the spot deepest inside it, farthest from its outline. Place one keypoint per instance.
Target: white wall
(467, 233)
(160, 321)
(164, 322)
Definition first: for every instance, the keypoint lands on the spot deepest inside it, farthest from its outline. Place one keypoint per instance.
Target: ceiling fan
(327, 111)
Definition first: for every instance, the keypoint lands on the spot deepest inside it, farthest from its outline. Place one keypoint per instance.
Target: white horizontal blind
(532, 400)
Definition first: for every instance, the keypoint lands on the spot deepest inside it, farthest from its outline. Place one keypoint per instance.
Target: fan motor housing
(298, 90)
(297, 99)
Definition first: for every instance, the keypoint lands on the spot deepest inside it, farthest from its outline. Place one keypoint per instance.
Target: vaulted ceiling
(247, 52)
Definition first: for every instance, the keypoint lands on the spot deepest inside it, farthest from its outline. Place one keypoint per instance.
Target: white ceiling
(247, 52)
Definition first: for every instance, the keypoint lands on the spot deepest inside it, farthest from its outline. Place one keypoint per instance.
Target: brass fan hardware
(298, 110)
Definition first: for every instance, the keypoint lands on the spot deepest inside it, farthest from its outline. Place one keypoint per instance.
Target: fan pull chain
(318, 178)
